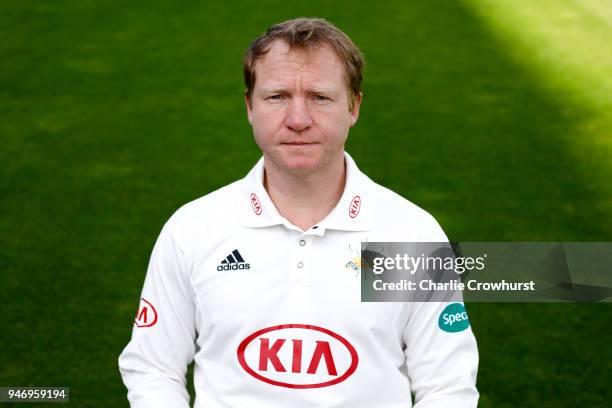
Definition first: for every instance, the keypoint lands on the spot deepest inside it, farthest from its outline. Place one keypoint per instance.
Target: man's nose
(298, 116)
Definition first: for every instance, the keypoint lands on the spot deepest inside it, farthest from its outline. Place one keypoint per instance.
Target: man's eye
(275, 97)
(321, 98)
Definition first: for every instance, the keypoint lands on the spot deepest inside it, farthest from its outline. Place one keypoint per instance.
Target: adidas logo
(233, 262)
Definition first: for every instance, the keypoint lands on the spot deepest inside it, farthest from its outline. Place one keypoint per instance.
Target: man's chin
(300, 164)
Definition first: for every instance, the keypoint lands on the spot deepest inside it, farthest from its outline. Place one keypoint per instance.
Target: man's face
(299, 108)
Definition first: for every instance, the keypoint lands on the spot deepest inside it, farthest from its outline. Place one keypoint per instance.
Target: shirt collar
(353, 212)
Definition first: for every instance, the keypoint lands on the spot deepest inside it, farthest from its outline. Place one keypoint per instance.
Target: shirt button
(300, 264)
(302, 242)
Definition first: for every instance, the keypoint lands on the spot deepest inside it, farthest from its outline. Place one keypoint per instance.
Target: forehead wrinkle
(293, 67)
(300, 85)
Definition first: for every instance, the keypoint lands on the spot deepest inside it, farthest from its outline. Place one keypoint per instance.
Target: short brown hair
(305, 33)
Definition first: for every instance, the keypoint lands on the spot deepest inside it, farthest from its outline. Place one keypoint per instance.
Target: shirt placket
(301, 264)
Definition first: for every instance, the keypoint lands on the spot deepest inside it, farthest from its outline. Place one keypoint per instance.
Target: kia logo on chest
(297, 356)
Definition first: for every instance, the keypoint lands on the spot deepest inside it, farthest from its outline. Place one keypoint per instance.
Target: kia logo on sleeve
(297, 356)
(147, 315)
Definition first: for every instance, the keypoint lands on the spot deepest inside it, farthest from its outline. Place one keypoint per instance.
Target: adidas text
(233, 267)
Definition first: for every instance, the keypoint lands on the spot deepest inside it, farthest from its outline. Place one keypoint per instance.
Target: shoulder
(402, 220)
(208, 206)
(198, 219)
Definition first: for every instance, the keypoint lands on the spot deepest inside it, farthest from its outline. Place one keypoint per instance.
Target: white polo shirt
(272, 315)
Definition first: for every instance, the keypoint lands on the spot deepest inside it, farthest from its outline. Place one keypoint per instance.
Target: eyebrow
(273, 89)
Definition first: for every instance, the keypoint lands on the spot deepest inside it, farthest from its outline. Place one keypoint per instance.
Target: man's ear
(355, 110)
(247, 102)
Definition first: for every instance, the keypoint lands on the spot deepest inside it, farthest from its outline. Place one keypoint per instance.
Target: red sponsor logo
(255, 204)
(297, 356)
(147, 315)
(355, 206)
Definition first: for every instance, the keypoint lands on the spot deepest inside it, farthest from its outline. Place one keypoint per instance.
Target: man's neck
(305, 200)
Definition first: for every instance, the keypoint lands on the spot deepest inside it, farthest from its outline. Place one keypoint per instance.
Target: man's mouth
(299, 143)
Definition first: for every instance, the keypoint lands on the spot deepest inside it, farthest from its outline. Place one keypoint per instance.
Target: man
(252, 281)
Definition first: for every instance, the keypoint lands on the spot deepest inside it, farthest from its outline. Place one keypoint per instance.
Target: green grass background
(495, 116)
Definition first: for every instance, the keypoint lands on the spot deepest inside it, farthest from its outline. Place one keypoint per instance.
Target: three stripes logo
(233, 262)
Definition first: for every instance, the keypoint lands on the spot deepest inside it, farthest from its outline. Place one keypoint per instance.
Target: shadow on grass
(471, 135)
